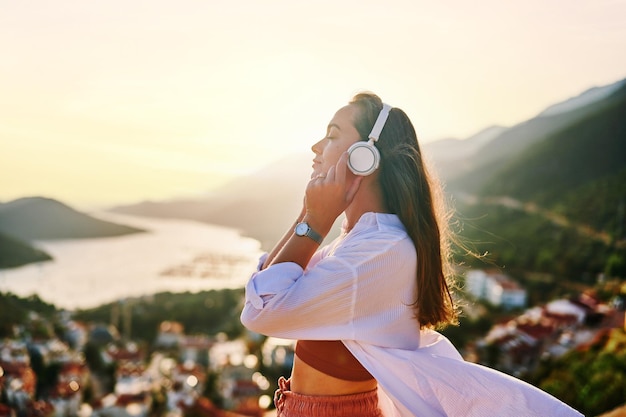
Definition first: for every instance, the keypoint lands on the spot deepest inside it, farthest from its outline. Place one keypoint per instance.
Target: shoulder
(375, 235)
(377, 227)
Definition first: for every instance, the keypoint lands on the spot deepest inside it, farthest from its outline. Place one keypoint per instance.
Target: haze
(119, 101)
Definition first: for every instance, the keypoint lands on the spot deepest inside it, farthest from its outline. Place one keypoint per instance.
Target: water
(174, 255)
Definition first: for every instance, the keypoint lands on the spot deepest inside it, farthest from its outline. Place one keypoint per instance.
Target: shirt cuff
(265, 284)
(262, 261)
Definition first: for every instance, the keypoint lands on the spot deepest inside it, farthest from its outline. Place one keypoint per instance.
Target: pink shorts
(291, 404)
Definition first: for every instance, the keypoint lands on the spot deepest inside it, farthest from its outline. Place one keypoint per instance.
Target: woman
(361, 307)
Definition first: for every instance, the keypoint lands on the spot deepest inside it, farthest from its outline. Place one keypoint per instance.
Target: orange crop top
(332, 358)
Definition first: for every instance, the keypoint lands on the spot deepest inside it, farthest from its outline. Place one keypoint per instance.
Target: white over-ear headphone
(363, 157)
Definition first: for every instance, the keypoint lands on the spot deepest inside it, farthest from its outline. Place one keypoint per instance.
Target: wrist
(321, 227)
(304, 230)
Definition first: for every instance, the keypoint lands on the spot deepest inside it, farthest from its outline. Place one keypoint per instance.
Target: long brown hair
(415, 197)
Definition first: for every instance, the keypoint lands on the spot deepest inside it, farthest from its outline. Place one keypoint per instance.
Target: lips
(316, 164)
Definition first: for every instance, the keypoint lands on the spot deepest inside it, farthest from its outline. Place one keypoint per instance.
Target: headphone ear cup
(363, 158)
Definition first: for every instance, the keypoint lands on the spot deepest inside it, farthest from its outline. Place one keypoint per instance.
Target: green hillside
(208, 312)
(14, 252)
(499, 154)
(579, 172)
(558, 207)
(15, 311)
(591, 379)
(34, 218)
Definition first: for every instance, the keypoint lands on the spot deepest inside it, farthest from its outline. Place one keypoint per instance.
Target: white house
(496, 288)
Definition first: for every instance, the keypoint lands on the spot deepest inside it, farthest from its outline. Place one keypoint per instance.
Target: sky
(108, 102)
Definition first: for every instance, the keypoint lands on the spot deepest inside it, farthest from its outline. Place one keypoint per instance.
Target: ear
(363, 158)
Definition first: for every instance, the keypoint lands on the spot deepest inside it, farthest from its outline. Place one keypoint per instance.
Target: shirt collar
(382, 221)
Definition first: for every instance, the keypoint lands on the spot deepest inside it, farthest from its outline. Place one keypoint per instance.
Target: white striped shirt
(359, 289)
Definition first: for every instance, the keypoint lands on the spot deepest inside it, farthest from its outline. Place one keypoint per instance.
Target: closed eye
(331, 131)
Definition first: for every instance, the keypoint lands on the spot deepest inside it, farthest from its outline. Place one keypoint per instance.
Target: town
(65, 367)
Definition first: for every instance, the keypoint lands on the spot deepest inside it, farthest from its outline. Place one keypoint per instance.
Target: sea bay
(172, 255)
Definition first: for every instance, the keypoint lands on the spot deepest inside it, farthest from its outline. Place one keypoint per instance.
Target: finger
(342, 165)
(317, 177)
(331, 174)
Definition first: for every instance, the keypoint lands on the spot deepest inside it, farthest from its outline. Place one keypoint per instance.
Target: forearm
(300, 249)
(280, 291)
(277, 248)
(326, 197)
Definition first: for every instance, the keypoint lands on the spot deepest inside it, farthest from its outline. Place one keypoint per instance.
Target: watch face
(301, 229)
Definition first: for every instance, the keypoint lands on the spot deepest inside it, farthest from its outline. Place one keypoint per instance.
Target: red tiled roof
(536, 331)
(125, 399)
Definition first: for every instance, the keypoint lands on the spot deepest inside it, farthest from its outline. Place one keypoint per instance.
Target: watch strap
(312, 234)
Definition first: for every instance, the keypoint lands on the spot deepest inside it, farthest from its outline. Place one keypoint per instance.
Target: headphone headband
(363, 157)
(380, 122)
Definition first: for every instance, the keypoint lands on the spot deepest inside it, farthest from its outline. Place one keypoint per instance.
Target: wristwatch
(303, 229)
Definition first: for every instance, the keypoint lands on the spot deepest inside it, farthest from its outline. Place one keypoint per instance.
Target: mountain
(568, 226)
(262, 205)
(587, 150)
(14, 252)
(470, 171)
(558, 206)
(454, 156)
(583, 99)
(456, 148)
(38, 218)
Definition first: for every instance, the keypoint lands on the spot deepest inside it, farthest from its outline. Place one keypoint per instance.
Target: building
(496, 288)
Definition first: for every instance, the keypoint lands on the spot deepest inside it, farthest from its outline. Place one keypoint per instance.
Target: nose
(317, 147)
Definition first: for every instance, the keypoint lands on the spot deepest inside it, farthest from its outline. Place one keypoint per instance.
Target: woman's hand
(328, 195)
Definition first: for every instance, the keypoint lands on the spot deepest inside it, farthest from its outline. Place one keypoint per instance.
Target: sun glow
(165, 99)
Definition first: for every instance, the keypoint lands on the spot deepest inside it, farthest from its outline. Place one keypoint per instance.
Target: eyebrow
(336, 126)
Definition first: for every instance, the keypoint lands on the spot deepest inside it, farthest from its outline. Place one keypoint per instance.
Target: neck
(367, 199)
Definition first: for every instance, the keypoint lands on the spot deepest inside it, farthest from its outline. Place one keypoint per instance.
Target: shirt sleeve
(336, 297)
(286, 301)
(258, 298)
